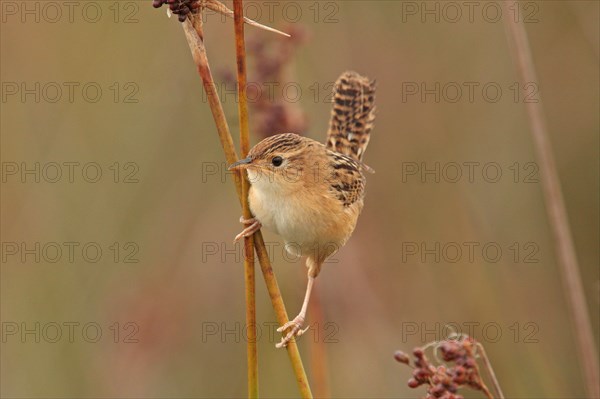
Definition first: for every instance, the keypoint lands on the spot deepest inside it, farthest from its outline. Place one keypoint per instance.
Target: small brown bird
(309, 193)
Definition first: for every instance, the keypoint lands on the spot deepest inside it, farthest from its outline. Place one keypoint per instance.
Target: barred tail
(352, 115)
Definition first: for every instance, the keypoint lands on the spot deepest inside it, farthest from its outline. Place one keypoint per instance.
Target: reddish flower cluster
(462, 354)
(444, 381)
(179, 7)
(439, 379)
(273, 113)
(271, 59)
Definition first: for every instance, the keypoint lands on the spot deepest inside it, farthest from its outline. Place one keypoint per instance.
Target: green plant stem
(557, 214)
(195, 37)
(249, 272)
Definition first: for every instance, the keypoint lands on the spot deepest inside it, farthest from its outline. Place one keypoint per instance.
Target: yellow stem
(250, 277)
(195, 37)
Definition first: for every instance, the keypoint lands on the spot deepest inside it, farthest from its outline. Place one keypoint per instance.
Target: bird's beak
(241, 164)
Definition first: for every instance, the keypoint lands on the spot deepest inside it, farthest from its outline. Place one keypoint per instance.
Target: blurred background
(119, 277)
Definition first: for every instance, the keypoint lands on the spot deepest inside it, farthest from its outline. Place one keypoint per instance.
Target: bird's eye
(277, 161)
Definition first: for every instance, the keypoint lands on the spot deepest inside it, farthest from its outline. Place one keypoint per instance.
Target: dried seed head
(418, 353)
(182, 8)
(444, 380)
(412, 383)
(451, 350)
(401, 357)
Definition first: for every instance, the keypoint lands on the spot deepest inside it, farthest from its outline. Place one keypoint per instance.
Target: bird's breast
(304, 222)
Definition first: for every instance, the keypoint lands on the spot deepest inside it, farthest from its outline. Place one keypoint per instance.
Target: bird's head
(277, 162)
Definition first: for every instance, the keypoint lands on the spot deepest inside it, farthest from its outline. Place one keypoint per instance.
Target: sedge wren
(309, 193)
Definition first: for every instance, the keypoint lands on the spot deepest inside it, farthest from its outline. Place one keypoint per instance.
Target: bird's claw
(253, 225)
(296, 330)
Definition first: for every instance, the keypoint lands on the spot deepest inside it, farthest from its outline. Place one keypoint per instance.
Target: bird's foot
(253, 225)
(296, 330)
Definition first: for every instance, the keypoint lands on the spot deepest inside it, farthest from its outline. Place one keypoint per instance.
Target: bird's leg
(296, 324)
(253, 225)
